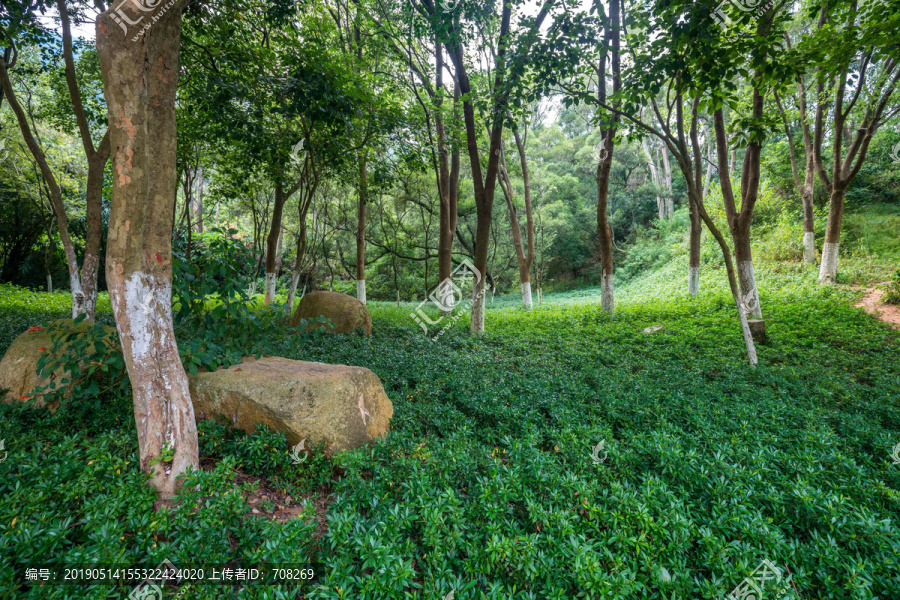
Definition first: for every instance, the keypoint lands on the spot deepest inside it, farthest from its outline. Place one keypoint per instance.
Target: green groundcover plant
(492, 484)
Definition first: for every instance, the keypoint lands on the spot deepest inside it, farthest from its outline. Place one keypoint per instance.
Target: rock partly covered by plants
(340, 406)
(346, 312)
(60, 351)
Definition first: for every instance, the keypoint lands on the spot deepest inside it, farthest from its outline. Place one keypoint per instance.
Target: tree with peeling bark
(508, 70)
(140, 79)
(83, 279)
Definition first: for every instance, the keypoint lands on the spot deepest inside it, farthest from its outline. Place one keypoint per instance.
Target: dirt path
(871, 302)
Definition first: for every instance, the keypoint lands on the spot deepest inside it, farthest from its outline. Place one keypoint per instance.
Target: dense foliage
(215, 316)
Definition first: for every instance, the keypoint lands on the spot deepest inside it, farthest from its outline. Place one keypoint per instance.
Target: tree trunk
(197, 204)
(732, 282)
(272, 244)
(525, 265)
(604, 232)
(447, 179)
(656, 178)
(94, 199)
(806, 197)
(278, 251)
(361, 231)
(828, 270)
(667, 170)
(524, 261)
(298, 264)
(96, 160)
(696, 229)
(746, 278)
(739, 221)
(55, 193)
(140, 80)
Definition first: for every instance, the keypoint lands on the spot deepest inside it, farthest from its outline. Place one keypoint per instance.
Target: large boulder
(346, 312)
(343, 407)
(18, 368)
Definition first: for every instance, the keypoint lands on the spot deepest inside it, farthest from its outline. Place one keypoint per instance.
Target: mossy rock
(18, 368)
(340, 406)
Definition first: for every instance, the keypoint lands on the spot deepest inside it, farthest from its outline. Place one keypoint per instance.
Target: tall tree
(398, 26)
(857, 47)
(140, 78)
(507, 69)
(83, 279)
(608, 133)
(524, 258)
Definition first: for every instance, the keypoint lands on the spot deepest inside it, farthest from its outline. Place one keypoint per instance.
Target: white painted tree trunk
(694, 281)
(49, 283)
(748, 286)
(809, 248)
(748, 337)
(828, 270)
(78, 304)
(361, 290)
(292, 290)
(526, 295)
(478, 291)
(607, 297)
(270, 288)
(162, 407)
